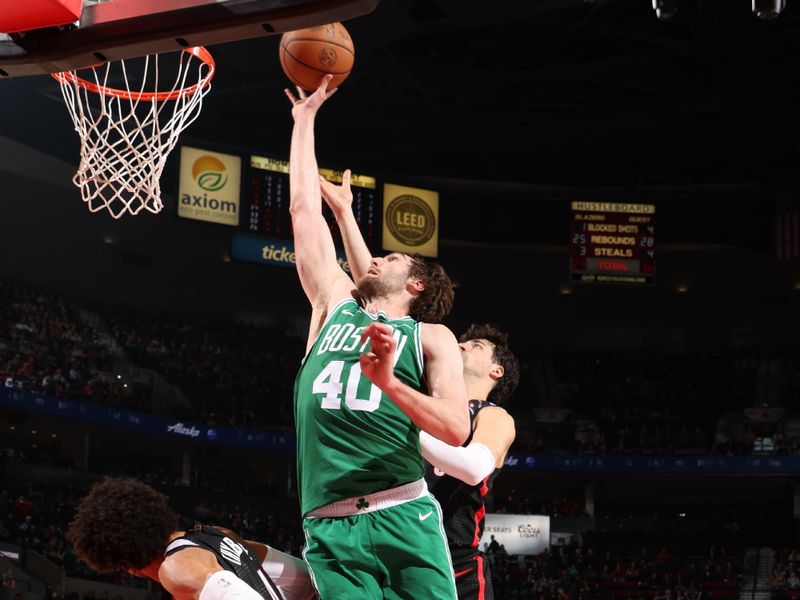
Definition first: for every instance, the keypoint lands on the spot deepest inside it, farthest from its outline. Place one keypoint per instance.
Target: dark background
(510, 110)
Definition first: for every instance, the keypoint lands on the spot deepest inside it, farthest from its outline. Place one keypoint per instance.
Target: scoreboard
(265, 209)
(612, 243)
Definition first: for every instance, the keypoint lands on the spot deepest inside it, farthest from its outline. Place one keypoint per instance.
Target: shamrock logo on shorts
(362, 504)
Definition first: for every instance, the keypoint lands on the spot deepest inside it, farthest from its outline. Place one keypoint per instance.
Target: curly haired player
(460, 477)
(124, 524)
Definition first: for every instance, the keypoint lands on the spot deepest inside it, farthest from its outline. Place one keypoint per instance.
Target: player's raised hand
(377, 363)
(303, 104)
(338, 197)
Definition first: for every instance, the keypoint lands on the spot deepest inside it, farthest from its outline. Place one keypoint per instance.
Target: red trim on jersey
(481, 580)
(464, 572)
(479, 514)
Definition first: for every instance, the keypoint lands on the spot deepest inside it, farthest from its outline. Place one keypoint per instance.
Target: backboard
(110, 30)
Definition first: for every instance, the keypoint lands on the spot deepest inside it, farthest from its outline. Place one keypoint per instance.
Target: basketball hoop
(126, 134)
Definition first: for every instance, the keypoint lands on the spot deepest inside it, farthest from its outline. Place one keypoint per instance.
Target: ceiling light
(768, 10)
(666, 9)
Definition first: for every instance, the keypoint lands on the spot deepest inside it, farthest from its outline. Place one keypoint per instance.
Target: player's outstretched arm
(445, 412)
(492, 437)
(340, 199)
(315, 253)
(195, 574)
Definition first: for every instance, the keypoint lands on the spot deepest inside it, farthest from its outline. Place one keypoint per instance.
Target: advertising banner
(410, 220)
(520, 534)
(169, 426)
(209, 186)
(271, 251)
(661, 465)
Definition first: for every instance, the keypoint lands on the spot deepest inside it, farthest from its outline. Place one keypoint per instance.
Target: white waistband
(372, 502)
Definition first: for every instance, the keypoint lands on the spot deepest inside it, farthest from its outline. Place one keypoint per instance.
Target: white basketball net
(126, 134)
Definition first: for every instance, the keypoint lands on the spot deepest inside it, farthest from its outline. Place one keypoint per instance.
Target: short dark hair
(502, 355)
(121, 523)
(434, 302)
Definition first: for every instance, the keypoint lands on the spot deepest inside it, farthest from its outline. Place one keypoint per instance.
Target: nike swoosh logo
(347, 312)
(425, 516)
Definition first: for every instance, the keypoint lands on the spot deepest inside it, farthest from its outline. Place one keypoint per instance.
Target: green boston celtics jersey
(352, 439)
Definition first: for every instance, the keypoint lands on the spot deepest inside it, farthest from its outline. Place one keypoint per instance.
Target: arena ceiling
(508, 108)
(581, 93)
(519, 99)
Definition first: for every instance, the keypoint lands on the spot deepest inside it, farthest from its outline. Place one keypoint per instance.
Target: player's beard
(371, 286)
(374, 286)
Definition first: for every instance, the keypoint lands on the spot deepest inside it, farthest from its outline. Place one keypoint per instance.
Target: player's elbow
(473, 479)
(300, 204)
(482, 464)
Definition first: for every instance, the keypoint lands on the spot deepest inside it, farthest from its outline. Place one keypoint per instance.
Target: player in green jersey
(377, 371)
(460, 477)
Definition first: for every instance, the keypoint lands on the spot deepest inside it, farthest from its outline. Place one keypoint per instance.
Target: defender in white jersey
(373, 377)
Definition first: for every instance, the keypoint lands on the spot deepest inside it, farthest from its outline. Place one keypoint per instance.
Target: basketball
(308, 54)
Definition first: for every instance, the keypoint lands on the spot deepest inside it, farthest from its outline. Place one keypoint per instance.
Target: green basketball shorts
(388, 548)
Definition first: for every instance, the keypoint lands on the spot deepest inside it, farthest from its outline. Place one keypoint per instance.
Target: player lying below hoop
(123, 524)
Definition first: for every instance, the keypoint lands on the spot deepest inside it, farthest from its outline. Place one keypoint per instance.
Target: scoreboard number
(266, 202)
(612, 243)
